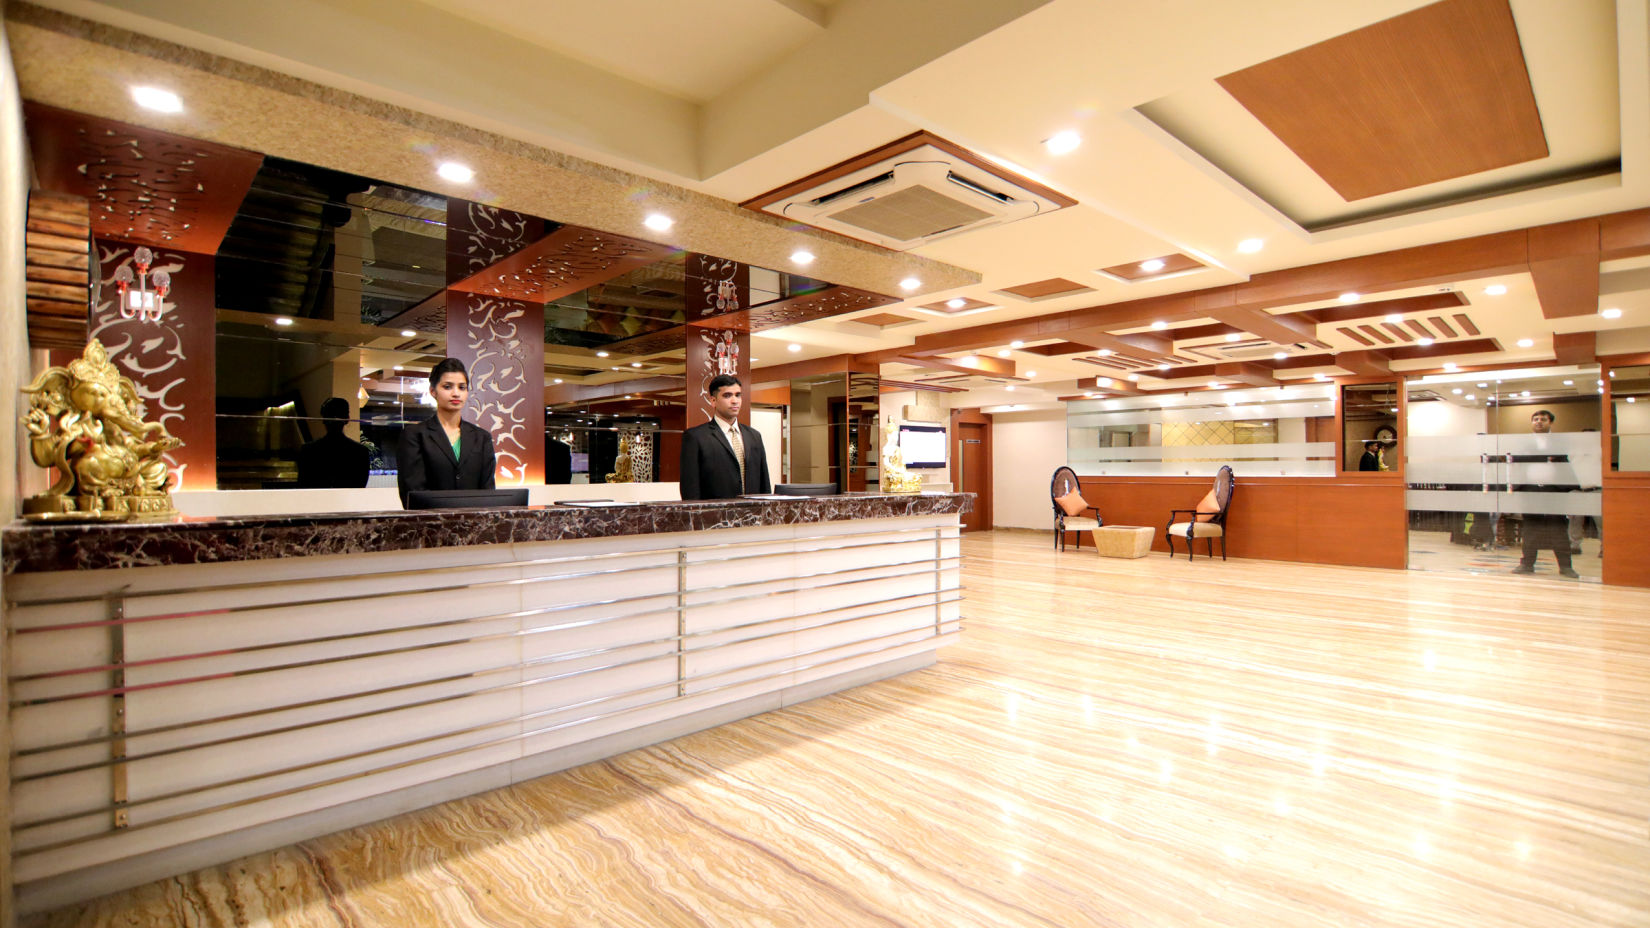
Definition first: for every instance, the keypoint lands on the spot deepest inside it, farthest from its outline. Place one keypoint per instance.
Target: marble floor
(1113, 743)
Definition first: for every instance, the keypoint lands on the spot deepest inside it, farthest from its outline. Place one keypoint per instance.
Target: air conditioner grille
(909, 214)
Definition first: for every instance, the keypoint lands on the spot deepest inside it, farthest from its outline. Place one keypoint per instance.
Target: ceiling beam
(1363, 363)
(1155, 345)
(981, 364)
(1106, 384)
(1282, 330)
(1575, 347)
(1252, 374)
(559, 394)
(1564, 260)
(830, 364)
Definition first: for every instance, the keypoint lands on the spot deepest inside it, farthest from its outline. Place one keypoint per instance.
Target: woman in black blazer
(444, 452)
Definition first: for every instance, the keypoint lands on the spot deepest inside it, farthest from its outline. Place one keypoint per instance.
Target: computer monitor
(467, 499)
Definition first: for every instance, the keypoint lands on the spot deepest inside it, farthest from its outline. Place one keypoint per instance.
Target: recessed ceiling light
(1486, 384)
(1526, 343)
(1030, 374)
(1320, 376)
(1104, 352)
(1003, 352)
(1160, 325)
(1496, 289)
(1525, 393)
(1423, 341)
(558, 380)
(956, 302)
(1612, 374)
(658, 222)
(1134, 377)
(909, 284)
(1216, 385)
(1450, 366)
(1251, 245)
(455, 172)
(635, 364)
(601, 354)
(1601, 389)
(754, 360)
(793, 347)
(1456, 391)
(1152, 266)
(154, 98)
(1351, 297)
(802, 257)
(1233, 336)
(1280, 355)
(1471, 396)
(1611, 313)
(1569, 383)
(1009, 388)
(1063, 142)
(1163, 367)
(408, 333)
(282, 320)
(1394, 318)
(969, 360)
(1016, 344)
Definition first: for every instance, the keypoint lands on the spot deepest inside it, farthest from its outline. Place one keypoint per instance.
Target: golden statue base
(48, 508)
(902, 483)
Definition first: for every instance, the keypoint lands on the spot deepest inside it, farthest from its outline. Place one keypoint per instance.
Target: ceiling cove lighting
(1063, 142)
(1351, 297)
(455, 172)
(909, 284)
(1251, 245)
(1611, 313)
(658, 222)
(154, 98)
(1496, 289)
(802, 257)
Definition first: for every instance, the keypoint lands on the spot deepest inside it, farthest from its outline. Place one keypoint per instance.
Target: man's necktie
(738, 452)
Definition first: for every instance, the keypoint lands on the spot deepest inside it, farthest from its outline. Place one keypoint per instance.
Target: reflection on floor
(1114, 742)
(1433, 551)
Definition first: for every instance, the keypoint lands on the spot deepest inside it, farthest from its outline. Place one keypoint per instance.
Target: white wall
(1026, 449)
(1633, 429)
(1443, 419)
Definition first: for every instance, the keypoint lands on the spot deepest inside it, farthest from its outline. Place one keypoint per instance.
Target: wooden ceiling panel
(965, 304)
(1042, 289)
(1136, 270)
(884, 320)
(1436, 93)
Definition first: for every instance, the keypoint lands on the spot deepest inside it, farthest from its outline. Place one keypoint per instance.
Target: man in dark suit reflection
(335, 459)
(558, 461)
(721, 458)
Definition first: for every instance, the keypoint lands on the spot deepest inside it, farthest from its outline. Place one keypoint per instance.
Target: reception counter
(187, 692)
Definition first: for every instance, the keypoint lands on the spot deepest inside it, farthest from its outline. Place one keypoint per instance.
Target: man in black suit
(335, 460)
(721, 458)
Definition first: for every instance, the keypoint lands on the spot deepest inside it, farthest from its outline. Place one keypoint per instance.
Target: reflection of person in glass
(335, 459)
(444, 452)
(1544, 532)
(1372, 456)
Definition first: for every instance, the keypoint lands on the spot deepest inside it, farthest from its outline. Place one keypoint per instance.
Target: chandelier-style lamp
(142, 295)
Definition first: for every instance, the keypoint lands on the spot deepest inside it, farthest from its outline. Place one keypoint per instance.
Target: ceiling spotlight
(1456, 391)
(1611, 313)
(1470, 396)
(956, 302)
(1320, 376)
(1486, 384)
(1163, 367)
(1152, 266)
(455, 172)
(1063, 142)
(282, 320)
(635, 364)
(1423, 341)
(1233, 336)
(1450, 366)
(601, 354)
(1525, 393)
(802, 257)
(1104, 352)
(1394, 318)
(1009, 388)
(1526, 343)
(1612, 374)
(969, 360)
(1394, 409)
(1496, 289)
(558, 380)
(1214, 385)
(396, 367)
(1251, 245)
(154, 98)
(1134, 377)
(1102, 381)
(1280, 355)
(793, 347)
(1160, 325)
(1351, 297)
(1030, 374)
(1016, 344)
(1569, 383)
(1003, 352)
(658, 222)
(909, 284)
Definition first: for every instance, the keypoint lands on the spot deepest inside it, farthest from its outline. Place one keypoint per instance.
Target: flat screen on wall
(922, 445)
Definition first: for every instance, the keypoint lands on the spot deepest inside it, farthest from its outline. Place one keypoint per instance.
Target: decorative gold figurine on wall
(621, 464)
(85, 420)
(894, 477)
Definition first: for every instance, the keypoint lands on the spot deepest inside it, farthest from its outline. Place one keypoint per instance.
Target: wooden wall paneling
(57, 270)
(1626, 512)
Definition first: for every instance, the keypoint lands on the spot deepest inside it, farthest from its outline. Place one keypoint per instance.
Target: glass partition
(1285, 431)
(1630, 418)
(1504, 471)
(834, 431)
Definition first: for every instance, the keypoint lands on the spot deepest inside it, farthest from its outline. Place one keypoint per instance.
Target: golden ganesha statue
(86, 420)
(895, 478)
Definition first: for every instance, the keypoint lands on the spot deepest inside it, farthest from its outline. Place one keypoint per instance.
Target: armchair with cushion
(1070, 508)
(1207, 521)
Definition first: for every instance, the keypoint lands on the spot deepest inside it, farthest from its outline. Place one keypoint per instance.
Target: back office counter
(185, 693)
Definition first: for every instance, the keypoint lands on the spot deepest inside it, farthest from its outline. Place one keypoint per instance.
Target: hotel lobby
(1351, 299)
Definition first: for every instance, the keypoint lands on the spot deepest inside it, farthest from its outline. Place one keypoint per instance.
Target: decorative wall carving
(715, 286)
(144, 186)
(832, 301)
(479, 236)
(501, 342)
(711, 352)
(566, 261)
(171, 362)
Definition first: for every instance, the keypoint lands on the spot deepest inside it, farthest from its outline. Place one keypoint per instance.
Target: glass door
(1504, 470)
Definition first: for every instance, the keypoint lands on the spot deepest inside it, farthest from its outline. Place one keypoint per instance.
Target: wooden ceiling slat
(1442, 326)
(1351, 333)
(1376, 334)
(1466, 324)
(1419, 327)
(1398, 331)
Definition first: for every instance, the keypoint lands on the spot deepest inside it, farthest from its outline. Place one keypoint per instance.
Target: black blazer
(424, 460)
(709, 468)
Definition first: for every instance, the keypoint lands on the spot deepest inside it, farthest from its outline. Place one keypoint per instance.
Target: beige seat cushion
(1198, 530)
(1081, 525)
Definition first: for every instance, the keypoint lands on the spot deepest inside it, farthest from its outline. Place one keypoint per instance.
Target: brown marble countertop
(100, 546)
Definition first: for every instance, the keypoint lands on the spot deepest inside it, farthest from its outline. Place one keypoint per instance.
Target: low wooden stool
(1124, 540)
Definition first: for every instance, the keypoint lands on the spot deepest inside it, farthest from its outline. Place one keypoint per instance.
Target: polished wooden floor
(1114, 742)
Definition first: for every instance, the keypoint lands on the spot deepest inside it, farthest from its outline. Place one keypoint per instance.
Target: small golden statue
(894, 477)
(86, 420)
(621, 464)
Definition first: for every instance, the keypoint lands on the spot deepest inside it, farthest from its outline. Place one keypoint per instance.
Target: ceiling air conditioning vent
(909, 193)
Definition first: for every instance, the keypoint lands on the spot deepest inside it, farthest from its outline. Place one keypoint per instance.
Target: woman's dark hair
(447, 366)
